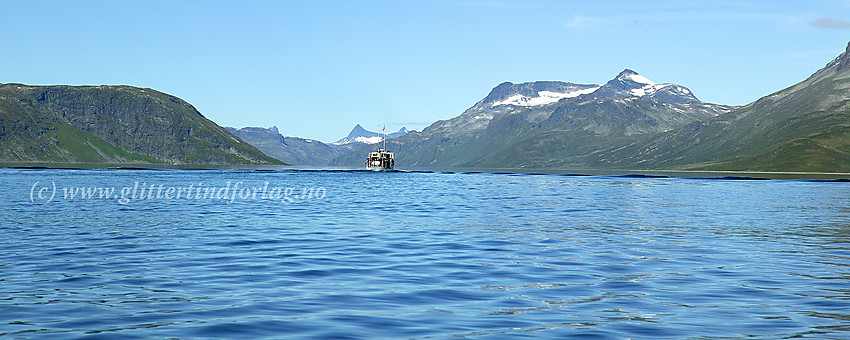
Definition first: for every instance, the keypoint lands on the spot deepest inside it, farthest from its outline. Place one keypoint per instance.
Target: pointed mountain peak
(401, 132)
(629, 75)
(631, 84)
(358, 134)
(360, 131)
(626, 72)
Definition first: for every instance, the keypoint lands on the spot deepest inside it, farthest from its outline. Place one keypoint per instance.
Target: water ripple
(429, 255)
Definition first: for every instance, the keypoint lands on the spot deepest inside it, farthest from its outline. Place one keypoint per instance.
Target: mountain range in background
(805, 127)
(301, 151)
(361, 135)
(550, 124)
(112, 125)
(629, 122)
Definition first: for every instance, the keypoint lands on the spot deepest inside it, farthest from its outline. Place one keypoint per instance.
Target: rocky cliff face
(112, 124)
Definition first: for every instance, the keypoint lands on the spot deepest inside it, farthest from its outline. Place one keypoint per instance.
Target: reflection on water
(427, 255)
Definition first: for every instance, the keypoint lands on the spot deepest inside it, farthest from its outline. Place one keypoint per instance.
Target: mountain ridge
(360, 135)
(112, 124)
(631, 122)
(308, 152)
(803, 127)
(487, 133)
(291, 150)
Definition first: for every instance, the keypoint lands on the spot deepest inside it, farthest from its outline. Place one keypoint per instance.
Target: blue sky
(317, 68)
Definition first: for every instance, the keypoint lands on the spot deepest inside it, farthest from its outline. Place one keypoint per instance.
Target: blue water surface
(355, 254)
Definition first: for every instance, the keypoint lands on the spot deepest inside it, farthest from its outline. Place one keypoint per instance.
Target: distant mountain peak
(631, 84)
(626, 84)
(357, 132)
(629, 75)
(360, 135)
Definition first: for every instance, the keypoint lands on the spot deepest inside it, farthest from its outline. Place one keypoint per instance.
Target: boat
(382, 159)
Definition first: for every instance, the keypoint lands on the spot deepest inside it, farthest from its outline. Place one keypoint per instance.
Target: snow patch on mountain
(368, 140)
(543, 97)
(627, 84)
(645, 87)
(637, 78)
(361, 135)
(649, 87)
(648, 90)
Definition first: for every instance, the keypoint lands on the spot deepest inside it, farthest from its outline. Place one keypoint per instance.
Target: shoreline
(131, 166)
(662, 173)
(753, 175)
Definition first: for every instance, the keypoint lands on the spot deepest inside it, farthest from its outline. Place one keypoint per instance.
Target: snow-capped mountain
(631, 84)
(536, 93)
(508, 98)
(552, 123)
(361, 135)
(627, 84)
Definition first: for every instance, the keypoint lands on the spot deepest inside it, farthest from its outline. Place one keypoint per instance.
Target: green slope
(112, 124)
(815, 142)
(803, 128)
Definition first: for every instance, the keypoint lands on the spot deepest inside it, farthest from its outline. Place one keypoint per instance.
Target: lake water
(351, 254)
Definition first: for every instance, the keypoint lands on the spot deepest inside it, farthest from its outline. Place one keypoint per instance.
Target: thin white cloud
(582, 22)
(831, 23)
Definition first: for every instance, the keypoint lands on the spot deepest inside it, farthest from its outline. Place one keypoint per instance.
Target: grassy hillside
(112, 124)
(803, 128)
